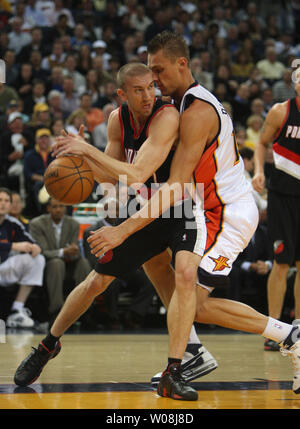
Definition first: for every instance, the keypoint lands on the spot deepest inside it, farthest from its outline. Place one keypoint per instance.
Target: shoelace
(294, 357)
(26, 311)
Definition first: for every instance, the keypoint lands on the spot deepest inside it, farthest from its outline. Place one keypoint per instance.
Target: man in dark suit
(57, 235)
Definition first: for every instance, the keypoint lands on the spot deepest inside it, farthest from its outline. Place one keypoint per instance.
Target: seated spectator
(69, 69)
(38, 72)
(267, 98)
(284, 88)
(57, 234)
(78, 38)
(40, 118)
(23, 82)
(271, 69)
(17, 37)
(36, 96)
(203, 77)
(84, 60)
(100, 131)
(102, 75)
(21, 263)
(55, 80)
(11, 66)
(15, 142)
(70, 98)
(108, 96)
(257, 107)
(241, 105)
(56, 58)
(94, 116)
(54, 102)
(242, 67)
(16, 209)
(91, 86)
(253, 131)
(36, 161)
(7, 94)
(37, 44)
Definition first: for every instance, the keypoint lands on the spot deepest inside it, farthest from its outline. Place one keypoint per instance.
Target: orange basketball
(69, 179)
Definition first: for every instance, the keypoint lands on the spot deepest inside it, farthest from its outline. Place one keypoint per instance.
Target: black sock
(174, 361)
(50, 341)
(293, 336)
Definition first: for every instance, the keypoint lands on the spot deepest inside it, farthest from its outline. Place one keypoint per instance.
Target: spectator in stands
(24, 80)
(257, 107)
(84, 60)
(108, 96)
(36, 161)
(37, 44)
(242, 67)
(15, 142)
(69, 69)
(284, 88)
(21, 263)
(55, 80)
(40, 118)
(56, 58)
(270, 68)
(70, 98)
(17, 37)
(36, 97)
(55, 10)
(100, 131)
(11, 66)
(16, 209)
(78, 39)
(57, 234)
(241, 105)
(94, 116)
(38, 72)
(7, 94)
(54, 100)
(91, 86)
(253, 131)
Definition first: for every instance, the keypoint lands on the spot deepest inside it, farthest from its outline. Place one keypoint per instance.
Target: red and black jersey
(285, 176)
(133, 139)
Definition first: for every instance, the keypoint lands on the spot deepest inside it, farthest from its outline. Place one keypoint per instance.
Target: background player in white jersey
(229, 209)
(282, 129)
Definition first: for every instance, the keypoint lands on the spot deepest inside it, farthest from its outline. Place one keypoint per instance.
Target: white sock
(17, 305)
(193, 338)
(276, 330)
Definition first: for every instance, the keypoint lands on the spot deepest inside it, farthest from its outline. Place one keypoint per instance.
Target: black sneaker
(197, 361)
(31, 367)
(271, 346)
(172, 385)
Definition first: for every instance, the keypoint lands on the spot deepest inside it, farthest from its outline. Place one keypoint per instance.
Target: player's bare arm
(151, 155)
(193, 139)
(271, 126)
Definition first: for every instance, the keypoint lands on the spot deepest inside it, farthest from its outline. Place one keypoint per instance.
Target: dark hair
(172, 44)
(246, 153)
(6, 191)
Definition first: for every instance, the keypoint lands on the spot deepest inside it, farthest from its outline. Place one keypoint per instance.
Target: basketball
(69, 179)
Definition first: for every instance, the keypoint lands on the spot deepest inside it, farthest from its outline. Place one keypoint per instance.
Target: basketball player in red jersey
(282, 128)
(206, 154)
(137, 132)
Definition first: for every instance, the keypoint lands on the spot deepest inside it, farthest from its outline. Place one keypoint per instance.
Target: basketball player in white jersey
(206, 154)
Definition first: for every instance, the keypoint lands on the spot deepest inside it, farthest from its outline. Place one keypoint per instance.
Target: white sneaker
(20, 319)
(294, 354)
(196, 362)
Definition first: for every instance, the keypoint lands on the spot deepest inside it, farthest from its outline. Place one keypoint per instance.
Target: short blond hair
(131, 70)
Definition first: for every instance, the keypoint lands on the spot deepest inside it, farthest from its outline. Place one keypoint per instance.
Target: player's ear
(182, 61)
(122, 94)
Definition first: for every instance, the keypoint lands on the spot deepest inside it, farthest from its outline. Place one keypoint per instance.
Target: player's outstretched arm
(193, 139)
(162, 134)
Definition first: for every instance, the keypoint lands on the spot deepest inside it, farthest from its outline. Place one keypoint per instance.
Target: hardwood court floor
(112, 371)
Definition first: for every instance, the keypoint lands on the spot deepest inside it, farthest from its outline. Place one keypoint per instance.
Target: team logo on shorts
(221, 263)
(278, 247)
(106, 257)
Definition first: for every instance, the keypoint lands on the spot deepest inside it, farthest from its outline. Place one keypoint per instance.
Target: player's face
(140, 94)
(5, 203)
(165, 72)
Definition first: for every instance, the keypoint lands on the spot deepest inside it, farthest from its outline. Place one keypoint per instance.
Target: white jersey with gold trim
(220, 169)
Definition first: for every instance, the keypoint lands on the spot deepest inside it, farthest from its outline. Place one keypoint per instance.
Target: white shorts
(228, 230)
(22, 269)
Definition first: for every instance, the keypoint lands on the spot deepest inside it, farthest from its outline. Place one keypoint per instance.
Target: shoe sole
(192, 374)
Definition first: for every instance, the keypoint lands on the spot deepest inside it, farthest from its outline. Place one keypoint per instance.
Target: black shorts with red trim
(168, 231)
(284, 227)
